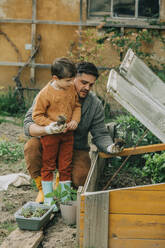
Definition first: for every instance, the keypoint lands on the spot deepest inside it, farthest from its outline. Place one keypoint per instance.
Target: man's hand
(72, 125)
(116, 147)
(54, 128)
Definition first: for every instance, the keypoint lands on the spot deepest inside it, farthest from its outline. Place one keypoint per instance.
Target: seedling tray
(33, 223)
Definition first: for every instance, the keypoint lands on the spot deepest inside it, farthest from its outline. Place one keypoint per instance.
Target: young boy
(57, 98)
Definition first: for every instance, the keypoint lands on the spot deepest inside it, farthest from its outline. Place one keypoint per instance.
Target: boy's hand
(72, 125)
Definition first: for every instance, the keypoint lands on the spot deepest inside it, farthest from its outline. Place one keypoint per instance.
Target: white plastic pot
(68, 212)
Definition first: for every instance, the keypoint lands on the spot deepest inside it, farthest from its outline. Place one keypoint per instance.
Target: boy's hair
(63, 68)
(87, 68)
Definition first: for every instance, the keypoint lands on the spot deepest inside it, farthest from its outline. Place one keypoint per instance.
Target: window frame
(109, 15)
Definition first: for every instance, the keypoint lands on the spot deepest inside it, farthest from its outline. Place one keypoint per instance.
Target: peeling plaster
(2, 14)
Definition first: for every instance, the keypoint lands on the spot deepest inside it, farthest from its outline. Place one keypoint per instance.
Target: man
(92, 120)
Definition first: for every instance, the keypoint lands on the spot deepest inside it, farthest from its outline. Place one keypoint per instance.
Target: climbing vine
(107, 46)
(98, 44)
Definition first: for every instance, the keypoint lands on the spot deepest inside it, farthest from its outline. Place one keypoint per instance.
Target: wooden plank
(5, 63)
(91, 178)
(81, 221)
(33, 41)
(126, 226)
(139, 104)
(135, 151)
(89, 23)
(96, 220)
(136, 243)
(149, 187)
(137, 202)
(94, 173)
(23, 238)
(136, 71)
(79, 191)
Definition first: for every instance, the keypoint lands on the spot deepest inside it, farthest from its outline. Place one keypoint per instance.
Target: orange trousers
(57, 147)
(33, 156)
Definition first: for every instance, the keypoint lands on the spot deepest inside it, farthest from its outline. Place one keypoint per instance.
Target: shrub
(155, 167)
(11, 103)
(131, 130)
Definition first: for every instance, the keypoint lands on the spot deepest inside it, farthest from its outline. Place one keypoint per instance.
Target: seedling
(69, 194)
(30, 212)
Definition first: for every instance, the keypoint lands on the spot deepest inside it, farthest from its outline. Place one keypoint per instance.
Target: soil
(57, 234)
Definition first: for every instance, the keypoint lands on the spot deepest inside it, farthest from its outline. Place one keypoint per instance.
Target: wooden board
(23, 238)
(96, 220)
(135, 150)
(137, 217)
(137, 201)
(94, 173)
(81, 221)
(136, 243)
(79, 191)
(141, 105)
(129, 226)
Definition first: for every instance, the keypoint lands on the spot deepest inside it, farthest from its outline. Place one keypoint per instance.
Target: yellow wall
(56, 39)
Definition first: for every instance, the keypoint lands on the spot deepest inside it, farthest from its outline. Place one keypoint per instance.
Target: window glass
(123, 8)
(100, 6)
(148, 8)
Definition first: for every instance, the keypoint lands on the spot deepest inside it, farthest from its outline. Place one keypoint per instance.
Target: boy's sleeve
(77, 110)
(39, 110)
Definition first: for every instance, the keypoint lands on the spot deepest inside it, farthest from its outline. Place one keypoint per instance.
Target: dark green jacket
(92, 120)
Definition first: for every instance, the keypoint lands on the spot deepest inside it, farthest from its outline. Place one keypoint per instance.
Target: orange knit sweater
(50, 103)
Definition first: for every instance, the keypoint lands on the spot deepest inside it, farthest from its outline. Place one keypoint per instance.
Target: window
(124, 8)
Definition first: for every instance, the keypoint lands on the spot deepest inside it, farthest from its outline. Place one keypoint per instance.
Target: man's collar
(85, 103)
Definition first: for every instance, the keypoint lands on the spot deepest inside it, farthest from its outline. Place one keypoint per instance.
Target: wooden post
(33, 41)
(80, 189)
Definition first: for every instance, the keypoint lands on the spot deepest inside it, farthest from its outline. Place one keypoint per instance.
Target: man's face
(83, 83)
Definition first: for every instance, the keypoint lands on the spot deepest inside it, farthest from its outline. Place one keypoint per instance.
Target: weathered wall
(56, 39)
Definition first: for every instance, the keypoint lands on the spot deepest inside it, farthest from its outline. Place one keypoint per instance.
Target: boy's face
(63, 83)
(83, 83)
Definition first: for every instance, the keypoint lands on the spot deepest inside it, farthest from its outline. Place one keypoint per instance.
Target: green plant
(9, 103)
(130, 129)
(155, 167)
(11, 152)
(30, 212)
(58, 194)
(71, 193)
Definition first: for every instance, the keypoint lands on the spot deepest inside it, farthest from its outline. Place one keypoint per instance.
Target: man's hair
(87, 68)
(63, 68)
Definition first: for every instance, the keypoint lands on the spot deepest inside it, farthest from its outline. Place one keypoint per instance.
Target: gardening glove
(53, 128)
(116, 147)
(56, 127)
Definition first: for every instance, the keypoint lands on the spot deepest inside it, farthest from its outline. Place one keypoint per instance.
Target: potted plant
(66, 201)
(33, 216)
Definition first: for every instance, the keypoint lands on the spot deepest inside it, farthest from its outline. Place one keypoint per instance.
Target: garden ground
(57, 234)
